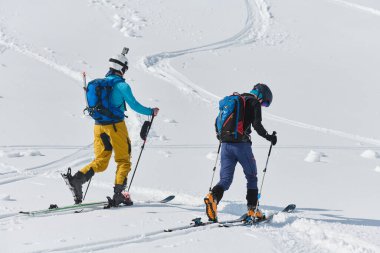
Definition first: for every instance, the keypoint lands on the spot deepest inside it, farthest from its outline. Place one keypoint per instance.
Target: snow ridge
(308, 235)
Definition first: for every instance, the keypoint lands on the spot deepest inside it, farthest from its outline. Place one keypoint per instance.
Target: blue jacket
(122, 93)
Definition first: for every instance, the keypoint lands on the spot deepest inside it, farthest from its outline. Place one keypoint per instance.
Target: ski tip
(167, 199)
(290, 208)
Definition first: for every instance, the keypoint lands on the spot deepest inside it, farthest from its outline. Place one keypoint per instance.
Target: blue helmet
(263, 92)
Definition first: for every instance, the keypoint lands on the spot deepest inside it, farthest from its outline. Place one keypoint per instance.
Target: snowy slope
(320, 57)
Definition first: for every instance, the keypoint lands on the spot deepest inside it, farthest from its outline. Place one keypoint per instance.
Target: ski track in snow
(323, 129)
(24, 49)
(291, 234)
(359, 7)
(254, 30)
(159, 64)
(82, 153)
(122, 241)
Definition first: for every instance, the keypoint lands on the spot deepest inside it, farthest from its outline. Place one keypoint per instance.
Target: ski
(197, 222)
(91, 205)
(241, 221)
(288, 209)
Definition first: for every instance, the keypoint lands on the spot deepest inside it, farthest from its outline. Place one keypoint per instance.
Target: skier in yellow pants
(106, 139)
(106, 99)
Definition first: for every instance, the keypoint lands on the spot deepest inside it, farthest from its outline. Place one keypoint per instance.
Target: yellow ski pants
(107, 138)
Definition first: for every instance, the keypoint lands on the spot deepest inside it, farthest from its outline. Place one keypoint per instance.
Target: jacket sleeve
(259, 128)
(128, 97)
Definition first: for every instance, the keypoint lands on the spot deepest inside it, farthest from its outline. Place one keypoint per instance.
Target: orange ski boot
(211, 207)
(255, 214)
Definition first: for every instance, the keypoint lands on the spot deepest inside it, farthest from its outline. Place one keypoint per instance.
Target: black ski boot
(75, 183)
(120, 196)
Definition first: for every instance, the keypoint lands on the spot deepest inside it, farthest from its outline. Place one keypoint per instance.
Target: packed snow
(320, 59)
(370, 154)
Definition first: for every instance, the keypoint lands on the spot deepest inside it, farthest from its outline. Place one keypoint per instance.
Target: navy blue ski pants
(232, 153)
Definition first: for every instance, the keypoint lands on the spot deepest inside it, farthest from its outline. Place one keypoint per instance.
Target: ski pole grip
(271, 145)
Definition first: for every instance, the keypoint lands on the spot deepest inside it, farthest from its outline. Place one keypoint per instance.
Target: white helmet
(119, 63)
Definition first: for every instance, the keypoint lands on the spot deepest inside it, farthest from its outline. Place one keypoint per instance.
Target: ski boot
(120, 197)
(254, 214)
(75, 183)
(211, 207)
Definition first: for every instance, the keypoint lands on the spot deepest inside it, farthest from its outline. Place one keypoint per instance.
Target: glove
(155, 111)
(272, 138)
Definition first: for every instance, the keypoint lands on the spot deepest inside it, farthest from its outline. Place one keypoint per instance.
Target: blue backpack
(98, 94)
(230, 121)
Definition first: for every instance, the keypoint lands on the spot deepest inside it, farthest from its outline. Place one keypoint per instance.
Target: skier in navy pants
(239, 150)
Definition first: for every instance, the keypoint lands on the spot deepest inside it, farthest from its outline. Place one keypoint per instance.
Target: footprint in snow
(49, 50)
(314, 157)
(165, 153)
(170, 121)
(15, 154)
(163, 138)
(18, 154)
(33, 153)
(83, 62)
(6, 197)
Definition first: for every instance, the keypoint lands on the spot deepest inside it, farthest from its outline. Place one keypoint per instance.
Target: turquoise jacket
(122, 93)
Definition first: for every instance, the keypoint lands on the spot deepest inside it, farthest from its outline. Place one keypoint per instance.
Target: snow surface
(320, 58)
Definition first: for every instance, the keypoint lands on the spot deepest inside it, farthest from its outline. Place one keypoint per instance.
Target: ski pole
(88, 185)
(216, 162)
(265, 170)
(142, 147)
